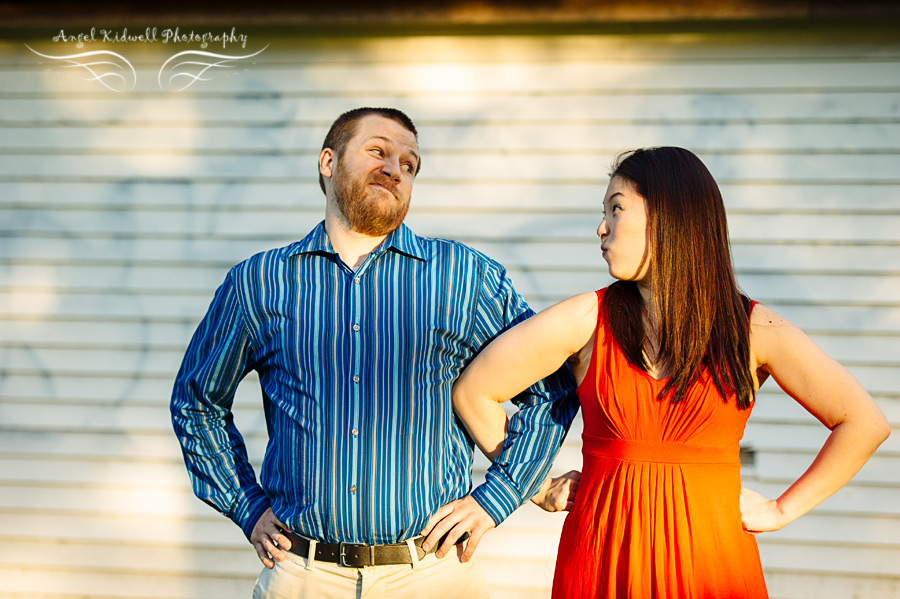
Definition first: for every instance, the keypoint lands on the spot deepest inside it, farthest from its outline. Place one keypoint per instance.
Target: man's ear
(326, 163)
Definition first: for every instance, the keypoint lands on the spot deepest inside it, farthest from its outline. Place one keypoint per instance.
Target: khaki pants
(431, 578)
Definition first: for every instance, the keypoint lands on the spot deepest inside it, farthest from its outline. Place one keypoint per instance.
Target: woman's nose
(602, 229)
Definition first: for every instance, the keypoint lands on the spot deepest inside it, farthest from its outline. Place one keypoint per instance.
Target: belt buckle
(342, 555)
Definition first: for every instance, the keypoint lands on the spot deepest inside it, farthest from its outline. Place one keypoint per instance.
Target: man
(357, 333)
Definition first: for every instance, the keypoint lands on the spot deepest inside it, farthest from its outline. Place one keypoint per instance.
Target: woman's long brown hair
(704, 324)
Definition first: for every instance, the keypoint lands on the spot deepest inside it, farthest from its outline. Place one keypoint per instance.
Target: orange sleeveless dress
(656, 515)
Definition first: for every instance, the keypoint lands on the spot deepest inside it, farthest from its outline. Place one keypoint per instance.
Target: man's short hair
(345, 126)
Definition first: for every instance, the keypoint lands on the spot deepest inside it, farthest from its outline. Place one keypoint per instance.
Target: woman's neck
(651, 314)
(650, 321)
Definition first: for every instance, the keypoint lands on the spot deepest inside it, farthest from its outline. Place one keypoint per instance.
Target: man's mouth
(386, 185)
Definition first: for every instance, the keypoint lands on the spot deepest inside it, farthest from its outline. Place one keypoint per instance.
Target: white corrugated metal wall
(121, 212)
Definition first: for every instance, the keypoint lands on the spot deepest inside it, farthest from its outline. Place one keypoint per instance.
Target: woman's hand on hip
(759, 514)
(558, 494)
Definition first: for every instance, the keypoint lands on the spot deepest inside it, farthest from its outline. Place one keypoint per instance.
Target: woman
(668, 360)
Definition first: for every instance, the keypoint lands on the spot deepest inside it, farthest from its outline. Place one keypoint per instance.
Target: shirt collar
(403, 240)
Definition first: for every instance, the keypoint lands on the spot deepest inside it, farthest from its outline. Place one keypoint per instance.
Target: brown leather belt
(358, 555)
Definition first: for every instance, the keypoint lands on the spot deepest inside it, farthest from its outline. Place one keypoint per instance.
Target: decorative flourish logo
(111, 73)
(179, 72)
(191, 71)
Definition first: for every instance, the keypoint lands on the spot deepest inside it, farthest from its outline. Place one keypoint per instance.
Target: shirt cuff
(497, 497)
(248, 507)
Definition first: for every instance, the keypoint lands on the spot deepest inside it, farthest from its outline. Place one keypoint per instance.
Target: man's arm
(217, 358)
(533, 437)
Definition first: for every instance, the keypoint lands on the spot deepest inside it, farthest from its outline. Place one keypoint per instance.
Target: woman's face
(623, 232)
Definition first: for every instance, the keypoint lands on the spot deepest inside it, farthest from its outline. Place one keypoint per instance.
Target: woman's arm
(517, 359)
(831, 394)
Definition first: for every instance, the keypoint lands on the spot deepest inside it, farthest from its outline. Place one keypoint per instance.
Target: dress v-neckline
(661, 380)
(653, 378)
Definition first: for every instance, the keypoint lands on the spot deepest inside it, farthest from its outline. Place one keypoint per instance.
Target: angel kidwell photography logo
(192, 59)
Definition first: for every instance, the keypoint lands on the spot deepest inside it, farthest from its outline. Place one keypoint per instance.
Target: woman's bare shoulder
(572, 320)
(764, 316)
(771, 334)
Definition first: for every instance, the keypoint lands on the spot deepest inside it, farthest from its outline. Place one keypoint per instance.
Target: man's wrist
(248, 508)
(497, 498)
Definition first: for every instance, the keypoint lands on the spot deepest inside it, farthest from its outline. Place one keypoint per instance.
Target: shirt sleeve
(218, 357)
(546, 410)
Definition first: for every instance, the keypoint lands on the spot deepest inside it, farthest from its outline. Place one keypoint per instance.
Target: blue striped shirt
(356, 370)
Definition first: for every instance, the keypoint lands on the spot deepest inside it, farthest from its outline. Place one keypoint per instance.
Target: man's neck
(352, 247)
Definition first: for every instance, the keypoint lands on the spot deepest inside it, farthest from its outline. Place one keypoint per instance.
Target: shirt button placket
(357, 351)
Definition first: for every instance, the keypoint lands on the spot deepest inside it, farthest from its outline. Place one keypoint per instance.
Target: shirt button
(356, 327)
(353, 488)
(355, 378)
(356, 280)
(355, 432)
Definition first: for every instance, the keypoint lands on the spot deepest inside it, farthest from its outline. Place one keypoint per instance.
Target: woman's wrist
(782, 512)
(541, 495)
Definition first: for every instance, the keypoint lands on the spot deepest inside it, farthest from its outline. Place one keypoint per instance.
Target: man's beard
(364, 212)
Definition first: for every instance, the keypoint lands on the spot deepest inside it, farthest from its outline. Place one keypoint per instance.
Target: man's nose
(391, 168)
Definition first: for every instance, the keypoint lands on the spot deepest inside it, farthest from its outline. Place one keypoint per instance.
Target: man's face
(373, 176)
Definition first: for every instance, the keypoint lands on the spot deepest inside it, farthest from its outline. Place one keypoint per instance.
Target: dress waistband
(664, 452)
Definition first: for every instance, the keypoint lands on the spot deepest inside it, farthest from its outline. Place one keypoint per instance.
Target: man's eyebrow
(391, 141)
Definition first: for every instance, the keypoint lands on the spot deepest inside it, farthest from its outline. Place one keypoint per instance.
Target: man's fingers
(460, 517)
(281, 540)
(439, 530)
(268, 540)
(263, 556)
(432, 521)
(437, 517)
(274, 551)
(437, 525)
(471, 545)
(450, 540)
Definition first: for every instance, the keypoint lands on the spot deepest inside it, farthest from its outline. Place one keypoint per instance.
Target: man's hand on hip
(455, 519)
(268, 540)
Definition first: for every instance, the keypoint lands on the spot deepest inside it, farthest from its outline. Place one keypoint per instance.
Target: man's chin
(384, 224)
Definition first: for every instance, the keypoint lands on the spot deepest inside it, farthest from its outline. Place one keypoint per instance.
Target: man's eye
(378, 151)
